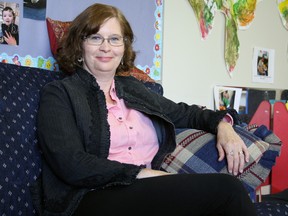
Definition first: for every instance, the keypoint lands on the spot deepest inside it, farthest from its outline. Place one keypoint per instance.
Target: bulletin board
(33, 50)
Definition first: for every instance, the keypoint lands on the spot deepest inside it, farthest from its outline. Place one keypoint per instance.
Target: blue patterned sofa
(20, 158)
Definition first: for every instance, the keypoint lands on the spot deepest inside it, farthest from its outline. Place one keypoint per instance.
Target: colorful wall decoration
(283, 10)
(34, 50)
(239, 14)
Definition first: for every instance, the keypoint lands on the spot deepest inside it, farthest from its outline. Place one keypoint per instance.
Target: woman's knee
(232, 184)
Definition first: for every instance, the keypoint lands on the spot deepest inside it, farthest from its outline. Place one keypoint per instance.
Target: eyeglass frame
(103, 39)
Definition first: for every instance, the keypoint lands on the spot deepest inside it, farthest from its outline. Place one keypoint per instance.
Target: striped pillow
(196, 152)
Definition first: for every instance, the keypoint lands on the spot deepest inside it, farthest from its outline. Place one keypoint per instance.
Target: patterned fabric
(20, 162)
(138, 74)
(56, 30)
(272, 208)
(273, 204)
(196, 153)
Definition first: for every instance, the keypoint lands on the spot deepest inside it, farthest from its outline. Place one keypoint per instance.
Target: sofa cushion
(271, 208)
(196, 152)
(20, 162)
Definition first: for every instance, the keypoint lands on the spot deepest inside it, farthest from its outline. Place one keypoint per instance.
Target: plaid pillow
(196, 152)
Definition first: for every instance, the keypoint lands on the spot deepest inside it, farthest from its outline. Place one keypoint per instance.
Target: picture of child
(262, 67)
(227, 98)
(224, 100)
(9, 30)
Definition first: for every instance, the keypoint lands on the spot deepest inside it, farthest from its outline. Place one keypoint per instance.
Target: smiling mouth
(104, 59)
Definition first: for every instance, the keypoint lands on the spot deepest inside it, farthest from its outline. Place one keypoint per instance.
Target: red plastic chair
(279, 178)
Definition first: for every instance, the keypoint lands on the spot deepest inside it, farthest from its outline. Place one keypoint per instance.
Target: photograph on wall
(227, 98)
(34, 9)
(263, 65)
(9, 19)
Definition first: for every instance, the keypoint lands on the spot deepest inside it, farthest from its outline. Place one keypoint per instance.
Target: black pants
(177, 195)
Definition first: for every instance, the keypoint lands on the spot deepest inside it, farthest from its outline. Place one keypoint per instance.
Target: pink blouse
(133, 137)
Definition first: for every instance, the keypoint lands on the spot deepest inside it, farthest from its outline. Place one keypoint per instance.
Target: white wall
(192, 66)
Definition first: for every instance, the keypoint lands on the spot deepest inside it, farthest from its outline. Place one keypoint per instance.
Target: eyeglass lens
(114, 40)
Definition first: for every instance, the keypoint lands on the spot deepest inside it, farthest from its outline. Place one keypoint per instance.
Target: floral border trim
(38, 62)
(155, 71)
(50, 63)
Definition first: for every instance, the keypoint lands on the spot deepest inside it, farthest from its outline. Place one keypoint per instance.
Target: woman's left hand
(230, 144)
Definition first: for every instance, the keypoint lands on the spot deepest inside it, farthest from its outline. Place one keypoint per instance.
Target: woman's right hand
(146, 173)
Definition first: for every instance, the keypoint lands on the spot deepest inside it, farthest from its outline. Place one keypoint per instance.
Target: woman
(104, 137)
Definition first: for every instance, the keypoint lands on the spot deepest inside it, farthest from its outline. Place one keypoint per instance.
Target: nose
(105, 46)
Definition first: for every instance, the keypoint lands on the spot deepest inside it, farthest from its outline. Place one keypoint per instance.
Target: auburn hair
(89, 22)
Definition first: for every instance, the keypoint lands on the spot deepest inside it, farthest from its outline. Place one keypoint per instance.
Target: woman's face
(105, 58)
(8, 17)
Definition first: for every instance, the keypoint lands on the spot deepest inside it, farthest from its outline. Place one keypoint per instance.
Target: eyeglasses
(97, 40)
